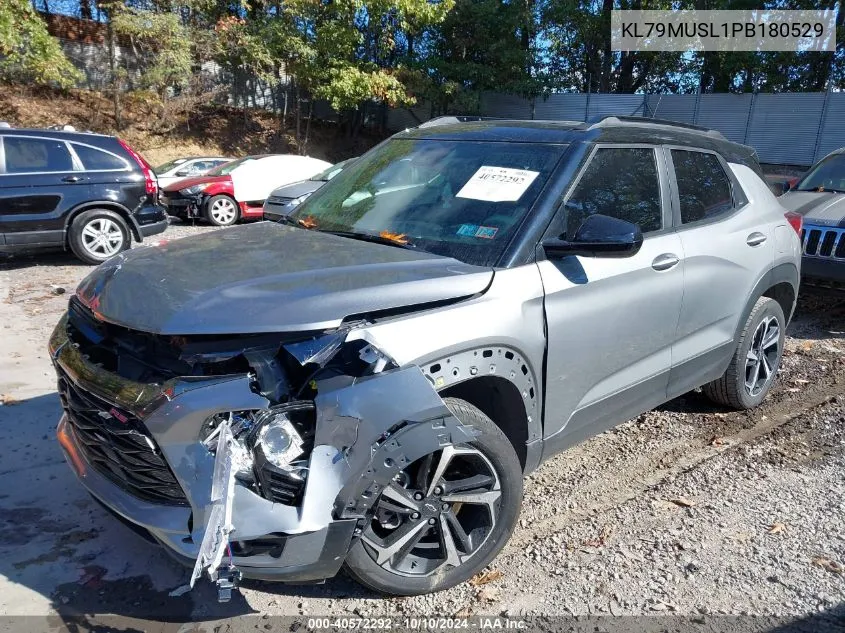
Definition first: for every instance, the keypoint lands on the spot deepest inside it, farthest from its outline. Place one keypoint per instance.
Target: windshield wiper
(823, 190)
(370, 237)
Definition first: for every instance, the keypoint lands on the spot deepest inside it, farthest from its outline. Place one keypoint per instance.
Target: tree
(581, 58)
(27, 51)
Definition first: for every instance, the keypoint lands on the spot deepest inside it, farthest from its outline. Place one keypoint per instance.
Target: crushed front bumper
(183, 206)
(365, 433)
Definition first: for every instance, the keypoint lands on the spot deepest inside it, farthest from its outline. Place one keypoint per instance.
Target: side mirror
(598, 236)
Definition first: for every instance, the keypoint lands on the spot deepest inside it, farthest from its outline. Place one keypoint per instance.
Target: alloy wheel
(102, 238)
(438, 512)
(223, 211)
(762, 358)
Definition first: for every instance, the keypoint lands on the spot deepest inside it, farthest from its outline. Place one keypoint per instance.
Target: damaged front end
(260, 455)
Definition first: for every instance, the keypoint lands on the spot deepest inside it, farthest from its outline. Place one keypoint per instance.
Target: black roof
(606, 130)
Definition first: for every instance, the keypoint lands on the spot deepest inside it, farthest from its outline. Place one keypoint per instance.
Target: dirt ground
(688, 510)
(209, 129)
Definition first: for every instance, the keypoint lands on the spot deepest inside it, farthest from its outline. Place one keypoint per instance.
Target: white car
(174, 170)
(237, 190)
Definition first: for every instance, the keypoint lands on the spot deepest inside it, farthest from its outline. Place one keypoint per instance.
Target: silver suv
(367, 383)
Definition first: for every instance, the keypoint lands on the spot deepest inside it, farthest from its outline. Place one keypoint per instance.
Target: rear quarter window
(94, 159)
(704, 189)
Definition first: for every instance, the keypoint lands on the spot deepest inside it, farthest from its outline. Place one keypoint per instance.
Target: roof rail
(452, 119)
(614, 119)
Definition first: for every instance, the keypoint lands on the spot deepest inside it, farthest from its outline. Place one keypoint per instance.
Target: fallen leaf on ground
(683, 502)
(488, 594)
(830, 565)
(485, 577)
(601, 540)
(777, 527)
(463, 613)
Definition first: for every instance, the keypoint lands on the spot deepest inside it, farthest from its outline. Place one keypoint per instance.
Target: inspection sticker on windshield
(497, 184)
(473, 230)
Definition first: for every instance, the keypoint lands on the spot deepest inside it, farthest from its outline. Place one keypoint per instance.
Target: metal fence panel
(505, 106)
(561, 107)
(832, 134)
(727, 113)
(783, 127)
(673, 107)
(399, 119)
(610, 104)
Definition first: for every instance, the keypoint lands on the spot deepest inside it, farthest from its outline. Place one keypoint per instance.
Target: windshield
(827, 175)
(331, 172)
(462, 199)
(168, 166)
(227, 168)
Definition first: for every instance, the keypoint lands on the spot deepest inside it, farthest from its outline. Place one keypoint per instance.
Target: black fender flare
(783, 273)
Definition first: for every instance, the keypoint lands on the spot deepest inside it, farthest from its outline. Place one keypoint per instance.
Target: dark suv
(89, 192)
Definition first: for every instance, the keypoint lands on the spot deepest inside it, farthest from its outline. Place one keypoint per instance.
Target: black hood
(268, 277)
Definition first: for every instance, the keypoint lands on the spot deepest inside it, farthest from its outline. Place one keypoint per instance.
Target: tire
(97, 235)
(221, 210)
(490, 452)
(737, 388)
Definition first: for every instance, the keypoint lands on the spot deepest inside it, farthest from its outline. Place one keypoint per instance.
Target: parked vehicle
(180, 168)
(237, 190)
(367, 381)
(820, 198)
(87, 192)
(286, 198)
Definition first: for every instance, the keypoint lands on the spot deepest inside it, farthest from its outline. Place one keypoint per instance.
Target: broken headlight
(277, 438)
(271, 448)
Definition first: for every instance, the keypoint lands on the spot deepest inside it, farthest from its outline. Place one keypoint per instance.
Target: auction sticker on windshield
(497, 184)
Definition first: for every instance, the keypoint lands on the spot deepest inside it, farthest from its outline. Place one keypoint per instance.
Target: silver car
(820, 198)
(367, 382)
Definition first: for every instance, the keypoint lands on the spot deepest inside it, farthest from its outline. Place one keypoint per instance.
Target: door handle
(665, 261)
(71, 178)
(755, 239)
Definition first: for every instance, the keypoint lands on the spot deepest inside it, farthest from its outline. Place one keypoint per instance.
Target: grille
(824, 242)
(278, 200)
(116, 444)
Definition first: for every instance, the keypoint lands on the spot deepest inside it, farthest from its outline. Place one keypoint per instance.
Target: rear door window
(620, 182)
(27, 155)
(94, 159)
(704, 190)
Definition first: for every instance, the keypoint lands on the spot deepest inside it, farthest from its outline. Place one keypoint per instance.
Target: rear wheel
(96, 235)
(753, 368)
(445, 517)
(221, 210)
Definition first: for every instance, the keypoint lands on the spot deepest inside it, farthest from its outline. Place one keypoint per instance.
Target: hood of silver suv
(268, 277)
(824, 208)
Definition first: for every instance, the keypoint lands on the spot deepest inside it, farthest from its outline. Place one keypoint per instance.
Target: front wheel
(221, 210)
(445, 517)
(756, 360)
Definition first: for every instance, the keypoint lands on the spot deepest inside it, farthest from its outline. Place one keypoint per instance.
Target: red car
(237, 190)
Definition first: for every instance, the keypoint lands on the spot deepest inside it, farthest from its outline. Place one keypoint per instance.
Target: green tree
(27, 51)
(160, 44)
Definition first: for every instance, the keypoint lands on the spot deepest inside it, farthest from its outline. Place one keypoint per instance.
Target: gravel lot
(688, 510)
